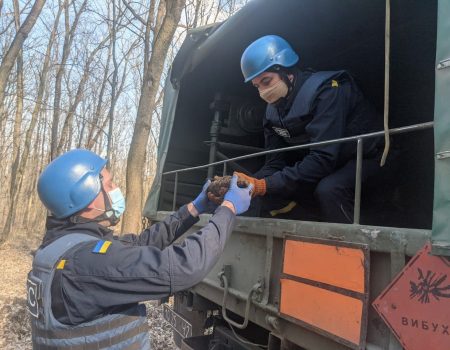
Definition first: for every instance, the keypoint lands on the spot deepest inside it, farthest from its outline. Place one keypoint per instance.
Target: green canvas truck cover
(201, 42)
(441, 218)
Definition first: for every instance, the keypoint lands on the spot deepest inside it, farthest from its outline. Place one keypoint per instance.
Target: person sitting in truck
(86, 283)
(304, 106)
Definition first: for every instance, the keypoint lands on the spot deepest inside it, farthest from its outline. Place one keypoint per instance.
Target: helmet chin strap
(107, 215)
(290, 83)
(284, 75)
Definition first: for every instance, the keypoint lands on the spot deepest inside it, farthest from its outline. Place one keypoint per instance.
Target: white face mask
(117, 204)
(274, 93)
(117, 201)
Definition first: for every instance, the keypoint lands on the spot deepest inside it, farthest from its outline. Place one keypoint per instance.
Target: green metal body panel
(254, 252)
(169, 108)
(441, 227)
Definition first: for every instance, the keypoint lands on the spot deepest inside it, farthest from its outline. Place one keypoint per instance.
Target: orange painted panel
(335, 313)
(338, 266)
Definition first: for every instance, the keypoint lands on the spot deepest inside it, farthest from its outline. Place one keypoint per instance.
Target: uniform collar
(285, 104)
(55, 228)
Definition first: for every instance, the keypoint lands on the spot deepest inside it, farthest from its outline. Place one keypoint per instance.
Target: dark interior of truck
(327, 35)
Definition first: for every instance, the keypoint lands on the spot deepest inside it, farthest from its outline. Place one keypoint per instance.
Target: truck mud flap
(221, 339)
(177, 322)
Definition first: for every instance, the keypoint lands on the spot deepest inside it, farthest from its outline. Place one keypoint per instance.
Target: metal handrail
(394, 131)
(359, 157)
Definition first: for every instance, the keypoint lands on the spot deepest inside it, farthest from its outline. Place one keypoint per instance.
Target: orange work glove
(259, 186)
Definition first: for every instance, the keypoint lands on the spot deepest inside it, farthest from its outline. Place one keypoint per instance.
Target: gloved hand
(259, 186)
(239, 197)
(202, 203)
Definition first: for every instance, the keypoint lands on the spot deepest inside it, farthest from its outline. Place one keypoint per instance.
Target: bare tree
(63, 89)
(96, 118)
(77, 98)
(16, 185)
(16, 45)
(113, 81)
(68, 40)
(19, 103)
(167, 18)
(100, 128)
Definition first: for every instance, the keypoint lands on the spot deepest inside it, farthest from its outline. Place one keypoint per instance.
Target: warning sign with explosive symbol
(416, 305)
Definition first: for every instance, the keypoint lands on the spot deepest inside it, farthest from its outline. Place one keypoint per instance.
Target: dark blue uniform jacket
(134, 268)
(335, 108)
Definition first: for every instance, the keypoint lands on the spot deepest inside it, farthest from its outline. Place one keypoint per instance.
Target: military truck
(281, 282)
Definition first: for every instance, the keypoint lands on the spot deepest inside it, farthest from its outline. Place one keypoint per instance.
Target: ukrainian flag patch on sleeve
(101, 247)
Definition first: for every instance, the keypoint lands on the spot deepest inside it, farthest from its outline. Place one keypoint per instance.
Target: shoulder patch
(61, 264)
(334, 83)
(101, 247)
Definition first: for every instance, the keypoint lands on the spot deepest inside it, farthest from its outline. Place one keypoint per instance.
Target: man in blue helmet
(85, 283)
(306, 107)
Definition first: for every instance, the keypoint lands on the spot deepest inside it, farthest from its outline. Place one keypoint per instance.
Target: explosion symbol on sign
(427, 285)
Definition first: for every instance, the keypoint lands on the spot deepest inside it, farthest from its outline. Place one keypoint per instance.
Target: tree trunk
(19, 106)
(101, 129)
(113, 84)
(4, 235)
(96, 117)
(77, 99)
(28, 189)
(13, 189)
(68, 39)
(38, 156)
(137, 152)
(16, 46)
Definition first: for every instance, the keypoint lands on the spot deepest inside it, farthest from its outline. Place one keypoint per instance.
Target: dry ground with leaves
(15, 262)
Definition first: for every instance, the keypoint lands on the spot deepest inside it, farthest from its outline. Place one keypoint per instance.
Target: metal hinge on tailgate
(254, 295)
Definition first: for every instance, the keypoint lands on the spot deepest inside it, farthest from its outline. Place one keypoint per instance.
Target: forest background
(86, 74)
(82, 74)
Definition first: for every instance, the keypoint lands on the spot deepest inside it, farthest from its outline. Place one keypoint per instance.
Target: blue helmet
(71, 182)
(268, 51)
